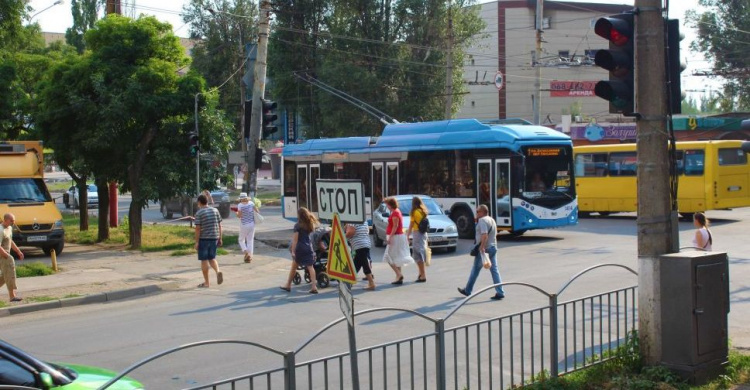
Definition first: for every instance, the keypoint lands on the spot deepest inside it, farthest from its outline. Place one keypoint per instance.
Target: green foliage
(722, 38)
(36, 268)
(392, 53)
(84, 16)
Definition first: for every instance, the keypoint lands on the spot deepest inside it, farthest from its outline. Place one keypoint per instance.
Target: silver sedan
(442, 234)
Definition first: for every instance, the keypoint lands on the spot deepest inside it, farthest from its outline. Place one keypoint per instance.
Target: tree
(123, 111)
(722, 38)
(393, 53)
(223, 27)
(85, 14)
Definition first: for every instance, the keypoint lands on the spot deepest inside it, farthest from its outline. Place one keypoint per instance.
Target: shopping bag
(258, 218)
(486, 261)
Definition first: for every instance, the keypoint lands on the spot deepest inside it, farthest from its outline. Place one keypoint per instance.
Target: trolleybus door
(376, 186)
(307, 194)
(391, 179)
(485, 185)
(503, 215)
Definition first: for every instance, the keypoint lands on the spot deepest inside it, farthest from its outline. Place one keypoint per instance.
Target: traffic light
(269, 117)
(194, 146)
(674, 66)
(619, 90)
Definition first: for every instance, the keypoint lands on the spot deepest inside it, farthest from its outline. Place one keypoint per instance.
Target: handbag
(474, 250)
(486, 261)
(257, 217)
(428, 256)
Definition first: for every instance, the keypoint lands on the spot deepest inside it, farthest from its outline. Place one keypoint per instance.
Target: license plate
(36, 238)
(437, 238)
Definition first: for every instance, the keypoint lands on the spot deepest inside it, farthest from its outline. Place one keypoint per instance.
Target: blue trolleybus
(523, 173)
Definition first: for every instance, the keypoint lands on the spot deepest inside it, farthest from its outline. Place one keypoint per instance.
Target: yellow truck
(24, 194)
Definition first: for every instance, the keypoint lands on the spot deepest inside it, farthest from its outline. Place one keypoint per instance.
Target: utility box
(694, 310)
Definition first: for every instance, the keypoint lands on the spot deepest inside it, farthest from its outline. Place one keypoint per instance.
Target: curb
(89, 299)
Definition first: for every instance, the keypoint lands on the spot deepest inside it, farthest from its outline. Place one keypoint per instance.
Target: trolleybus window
(547, 177)
(733, 156)
(290, 178)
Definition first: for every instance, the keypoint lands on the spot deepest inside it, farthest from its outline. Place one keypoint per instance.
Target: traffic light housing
(674, 66)
(269, 117)
(193, 142)
(619, 90)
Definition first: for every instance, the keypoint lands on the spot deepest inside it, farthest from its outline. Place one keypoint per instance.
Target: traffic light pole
(197, 157)
(259, 88)
(656, 220)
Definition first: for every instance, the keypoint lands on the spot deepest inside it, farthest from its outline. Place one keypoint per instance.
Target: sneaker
(497, 297)
(463, 292)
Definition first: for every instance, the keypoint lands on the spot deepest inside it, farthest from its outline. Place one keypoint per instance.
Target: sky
(58, 19)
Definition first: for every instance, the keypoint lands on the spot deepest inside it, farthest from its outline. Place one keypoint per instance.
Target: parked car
(442, 234)
(181, 205)
(72, 199)
(18, 368)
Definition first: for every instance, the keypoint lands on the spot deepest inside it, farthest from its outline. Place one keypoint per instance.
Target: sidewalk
(93, 274)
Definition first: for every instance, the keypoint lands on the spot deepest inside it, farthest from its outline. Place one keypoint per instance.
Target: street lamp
(58, 2)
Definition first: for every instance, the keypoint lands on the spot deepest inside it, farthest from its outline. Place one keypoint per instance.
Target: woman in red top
(397, 252)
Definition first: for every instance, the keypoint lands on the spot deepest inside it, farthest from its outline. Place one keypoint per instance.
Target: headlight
(451, 229)
(58, 224)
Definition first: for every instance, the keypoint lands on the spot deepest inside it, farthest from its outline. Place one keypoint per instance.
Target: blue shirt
(247, 213)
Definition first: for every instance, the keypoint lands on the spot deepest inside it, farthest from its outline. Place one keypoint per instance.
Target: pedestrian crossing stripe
(340, 265)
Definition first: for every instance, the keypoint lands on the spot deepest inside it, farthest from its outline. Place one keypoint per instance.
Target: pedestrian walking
(486, 242)
(418, 239)
(7, 263)
(359, 239)
(397, 252)
(246, 213)
(209, 198)
(302, 249)
(703, 239)
(207, 238)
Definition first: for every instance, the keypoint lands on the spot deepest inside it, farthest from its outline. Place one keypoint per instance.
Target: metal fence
(500, 352)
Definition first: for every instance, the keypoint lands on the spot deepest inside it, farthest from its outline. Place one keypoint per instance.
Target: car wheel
(164, 212)
(464, 220)
(185, 210)
(224, 213)
(58, 249)
(378, 242)
(66, 201)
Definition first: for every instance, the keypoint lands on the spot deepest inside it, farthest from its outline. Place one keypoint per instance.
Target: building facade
(500, 72)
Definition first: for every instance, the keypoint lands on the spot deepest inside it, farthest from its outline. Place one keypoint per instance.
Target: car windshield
(23, 190)
(432, 207)
(92, 188)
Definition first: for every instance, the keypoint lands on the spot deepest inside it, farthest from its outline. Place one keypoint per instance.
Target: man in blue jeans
(207, 238)
(486, 237)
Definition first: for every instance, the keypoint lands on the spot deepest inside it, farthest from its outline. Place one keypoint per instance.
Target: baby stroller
(320, 240)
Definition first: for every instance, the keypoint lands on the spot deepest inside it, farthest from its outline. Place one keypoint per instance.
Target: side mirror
(386, 214)
(46, 380)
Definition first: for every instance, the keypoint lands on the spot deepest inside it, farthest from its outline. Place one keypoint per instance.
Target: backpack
(424, 225)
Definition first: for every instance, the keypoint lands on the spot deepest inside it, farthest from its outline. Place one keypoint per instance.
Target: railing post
(440, 353)
(553, 336)
(290, 371)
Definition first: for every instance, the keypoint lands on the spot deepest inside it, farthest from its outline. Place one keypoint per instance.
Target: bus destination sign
(544, 152)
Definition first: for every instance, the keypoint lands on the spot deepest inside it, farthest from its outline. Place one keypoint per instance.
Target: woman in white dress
(397, 252)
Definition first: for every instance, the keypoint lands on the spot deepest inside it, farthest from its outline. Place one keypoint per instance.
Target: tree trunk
(135, 171)
(103, 191)
(83, 222)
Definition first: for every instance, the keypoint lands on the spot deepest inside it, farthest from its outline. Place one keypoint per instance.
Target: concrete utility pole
(259, 90)
(538, 61)
(449, 66)
(113, 6)
(656, 221)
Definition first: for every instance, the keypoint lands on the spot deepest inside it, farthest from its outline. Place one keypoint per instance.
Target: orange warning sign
(340, 265)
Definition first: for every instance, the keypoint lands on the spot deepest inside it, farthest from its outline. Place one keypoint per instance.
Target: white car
(72, 199)
(442, 234)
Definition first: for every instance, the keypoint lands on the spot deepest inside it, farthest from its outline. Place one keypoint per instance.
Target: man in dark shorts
(359, 239)
(207, 238)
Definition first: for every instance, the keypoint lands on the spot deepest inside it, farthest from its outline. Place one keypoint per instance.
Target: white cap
(243, 195)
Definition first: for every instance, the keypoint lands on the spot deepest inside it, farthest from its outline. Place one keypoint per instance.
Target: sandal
(16, 299)
(202, 285)
(220, 277)
(313, 291)
(398, 282)
(420, 280)
(370, 288)
(286, 289)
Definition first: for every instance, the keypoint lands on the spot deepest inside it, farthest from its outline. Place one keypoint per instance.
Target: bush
(33, 269)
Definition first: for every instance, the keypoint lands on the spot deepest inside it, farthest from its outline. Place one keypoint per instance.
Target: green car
(21, 370)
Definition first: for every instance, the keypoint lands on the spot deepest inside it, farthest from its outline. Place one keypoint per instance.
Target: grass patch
(33, 269)
(3, 304)
(72, 296)
(180, 239)
(626, 372)
(59, 186)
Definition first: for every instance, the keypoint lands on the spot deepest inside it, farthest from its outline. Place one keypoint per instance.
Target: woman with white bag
(247, 213)
(397, 252)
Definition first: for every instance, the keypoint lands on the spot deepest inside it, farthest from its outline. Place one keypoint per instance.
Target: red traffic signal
(619, 89)
(616, 29)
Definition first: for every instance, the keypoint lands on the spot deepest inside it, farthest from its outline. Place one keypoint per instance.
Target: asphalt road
(116, 334)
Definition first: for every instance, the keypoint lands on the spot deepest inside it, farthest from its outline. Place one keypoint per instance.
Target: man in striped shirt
(207, 237)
